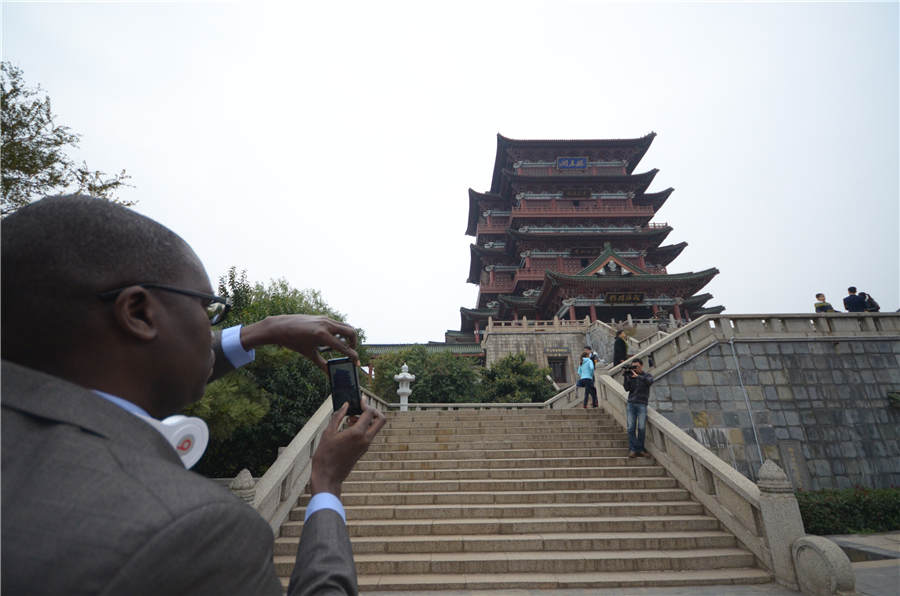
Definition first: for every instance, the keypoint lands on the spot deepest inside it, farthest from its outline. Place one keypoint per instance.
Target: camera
(344, 385)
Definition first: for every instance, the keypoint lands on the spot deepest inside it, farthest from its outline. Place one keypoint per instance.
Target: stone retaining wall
(820, 408)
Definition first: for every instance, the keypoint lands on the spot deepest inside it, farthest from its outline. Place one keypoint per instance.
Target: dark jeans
(589, 388)
(637, 416)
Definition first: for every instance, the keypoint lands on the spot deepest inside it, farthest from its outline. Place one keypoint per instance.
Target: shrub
(850, 511)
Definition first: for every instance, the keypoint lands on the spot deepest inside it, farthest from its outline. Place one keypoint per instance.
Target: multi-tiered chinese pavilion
(565, 231)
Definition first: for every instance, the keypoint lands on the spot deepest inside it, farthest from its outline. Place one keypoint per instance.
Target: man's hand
(303, 334)
(339, 450)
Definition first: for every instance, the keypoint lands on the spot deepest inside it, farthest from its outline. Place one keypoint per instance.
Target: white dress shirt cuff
(234, 351)
(325, 501)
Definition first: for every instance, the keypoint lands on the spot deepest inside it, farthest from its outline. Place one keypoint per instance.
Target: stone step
(545, 581)
(515, 510)
(367, 466)
(551, 542)
(495, 485)
(525, 525)
(485, 415)
(475, 426)
(538, 562)
(537, 435)
(524, 497)
(510, 453)
(496, 444)
(496, 474)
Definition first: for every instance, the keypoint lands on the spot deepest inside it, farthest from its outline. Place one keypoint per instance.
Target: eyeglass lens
(215, 311)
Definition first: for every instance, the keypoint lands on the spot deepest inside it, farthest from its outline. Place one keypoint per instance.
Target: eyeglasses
(216, 306)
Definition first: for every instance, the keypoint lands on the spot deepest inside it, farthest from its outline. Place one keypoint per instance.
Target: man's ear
(136, 313)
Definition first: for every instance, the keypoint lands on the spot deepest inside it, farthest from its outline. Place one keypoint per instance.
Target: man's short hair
(59, 252)
(637, 360)
(588, 348)
(820, 295)
(851, 290)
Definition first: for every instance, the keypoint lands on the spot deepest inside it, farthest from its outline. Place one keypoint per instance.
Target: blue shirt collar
(123, 403)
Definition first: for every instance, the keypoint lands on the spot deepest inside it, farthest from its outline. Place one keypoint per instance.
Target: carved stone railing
(526, 325)
(565, 399)
(764, 517)
(701, 334)
(276, 492)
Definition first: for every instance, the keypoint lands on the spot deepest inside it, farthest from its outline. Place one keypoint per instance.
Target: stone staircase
(451, 500)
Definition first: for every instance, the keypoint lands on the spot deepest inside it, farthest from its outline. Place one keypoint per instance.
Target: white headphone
(188, 435)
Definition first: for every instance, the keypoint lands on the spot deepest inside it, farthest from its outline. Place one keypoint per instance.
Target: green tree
(34, 149)
(515, 380)
(441, 377)
(255, 410)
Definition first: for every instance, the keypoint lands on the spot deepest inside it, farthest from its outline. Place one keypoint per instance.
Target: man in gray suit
(106, 319)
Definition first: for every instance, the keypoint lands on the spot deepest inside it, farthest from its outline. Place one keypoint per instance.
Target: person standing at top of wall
(821, 305)
(853, 302)
(620, 348)
(586, 377)
(871, 305)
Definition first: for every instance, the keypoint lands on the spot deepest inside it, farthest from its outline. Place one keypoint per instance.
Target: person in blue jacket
(586, 376)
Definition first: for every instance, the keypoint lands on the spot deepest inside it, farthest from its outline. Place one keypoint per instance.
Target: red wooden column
(677, 313)
(515, 315)
(593, 313)
(477, 333)
(572, 312)
(491, 275)
(654, 308)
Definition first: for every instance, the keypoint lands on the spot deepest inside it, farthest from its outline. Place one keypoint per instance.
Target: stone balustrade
(705, 332)
(277, 491)
(529, 326)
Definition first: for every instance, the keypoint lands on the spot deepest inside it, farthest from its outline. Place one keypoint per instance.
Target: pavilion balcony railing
(542, 170)
(493, 228)
(498, 287)
(581, 210)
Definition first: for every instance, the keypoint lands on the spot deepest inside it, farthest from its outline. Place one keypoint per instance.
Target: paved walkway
(878, 577)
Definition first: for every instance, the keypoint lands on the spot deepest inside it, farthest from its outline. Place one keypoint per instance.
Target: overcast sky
(333, 143)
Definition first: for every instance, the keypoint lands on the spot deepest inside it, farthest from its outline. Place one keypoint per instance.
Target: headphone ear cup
(189, 436)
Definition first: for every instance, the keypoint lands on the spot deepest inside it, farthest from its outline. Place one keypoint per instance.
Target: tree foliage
(512, 379)
(34, 149)
(441, 377)
(255, 410)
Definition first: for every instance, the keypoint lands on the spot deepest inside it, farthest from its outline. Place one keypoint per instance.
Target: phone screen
(344, 385)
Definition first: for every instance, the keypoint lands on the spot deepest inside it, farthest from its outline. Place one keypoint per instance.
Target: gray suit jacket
(95, 501)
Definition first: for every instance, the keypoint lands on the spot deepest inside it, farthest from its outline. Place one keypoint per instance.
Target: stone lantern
(404, 378)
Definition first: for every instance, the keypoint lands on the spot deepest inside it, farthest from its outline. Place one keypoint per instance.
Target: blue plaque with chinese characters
(571, 163)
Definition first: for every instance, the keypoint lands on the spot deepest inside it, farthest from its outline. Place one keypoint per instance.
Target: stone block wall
(818, 408)
(537, 346)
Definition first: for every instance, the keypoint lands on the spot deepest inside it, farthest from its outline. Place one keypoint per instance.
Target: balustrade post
(781, 521)
(243, 486)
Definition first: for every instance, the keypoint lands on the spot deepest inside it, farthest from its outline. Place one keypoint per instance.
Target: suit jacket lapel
(52, 398)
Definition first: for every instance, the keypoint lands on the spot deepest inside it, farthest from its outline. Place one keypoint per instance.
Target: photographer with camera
(637, 384)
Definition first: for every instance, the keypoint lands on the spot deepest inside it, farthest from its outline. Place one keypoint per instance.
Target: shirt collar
(123, 403)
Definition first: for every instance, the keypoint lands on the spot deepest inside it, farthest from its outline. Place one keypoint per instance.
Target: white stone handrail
(708, 330)
(278, 489)
(729, 495)
(562, 400)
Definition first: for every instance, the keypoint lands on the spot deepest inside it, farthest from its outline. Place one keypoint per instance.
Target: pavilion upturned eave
(475, 198)
(653, 199)
(689, 283)
(640, 145)
(663, 255)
